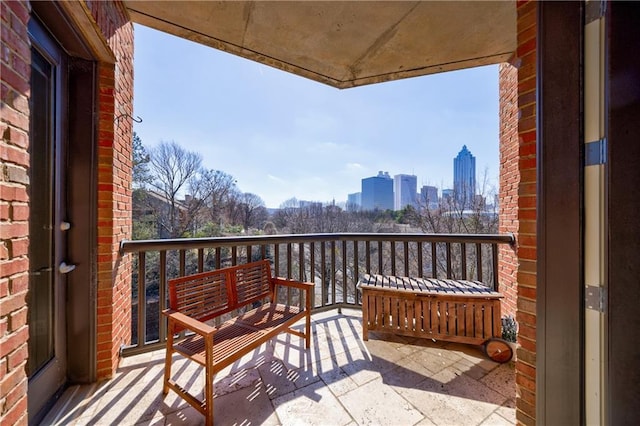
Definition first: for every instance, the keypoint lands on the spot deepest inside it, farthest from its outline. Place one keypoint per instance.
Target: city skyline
(282, 136)
(377, 191)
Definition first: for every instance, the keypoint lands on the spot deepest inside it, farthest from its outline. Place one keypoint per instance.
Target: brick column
(509, 182)
(526, 275)
(115, 106)
(15, 57)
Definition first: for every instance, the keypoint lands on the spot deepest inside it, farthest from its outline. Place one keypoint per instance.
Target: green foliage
(141, 173)
(208, 229)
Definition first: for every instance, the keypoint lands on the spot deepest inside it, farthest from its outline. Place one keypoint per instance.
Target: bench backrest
(210, 294)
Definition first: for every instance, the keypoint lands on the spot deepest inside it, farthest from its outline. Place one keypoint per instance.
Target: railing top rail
(132, 246)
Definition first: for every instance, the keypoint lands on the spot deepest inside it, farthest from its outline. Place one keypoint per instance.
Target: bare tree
(290, 218)
(250, 211)
(176, 173)
(221, 189)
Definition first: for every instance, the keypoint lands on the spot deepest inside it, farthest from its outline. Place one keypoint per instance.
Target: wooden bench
(205, 296)
(440, 309)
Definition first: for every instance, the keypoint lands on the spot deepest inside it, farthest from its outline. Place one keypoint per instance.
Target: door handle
(65, 269)
(41, 270)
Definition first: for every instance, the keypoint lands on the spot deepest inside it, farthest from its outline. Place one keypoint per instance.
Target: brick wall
(509, 182)
(526, 275)
(115, 87)
(15, 63)
(115, 105)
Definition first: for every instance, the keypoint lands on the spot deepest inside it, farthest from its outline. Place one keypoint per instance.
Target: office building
(429, 197)
(447, 195)
(354, 202)
(377, 192)
(404, 191)
(464, 178)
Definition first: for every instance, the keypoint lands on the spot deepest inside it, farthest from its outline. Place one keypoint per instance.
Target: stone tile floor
(340, 380)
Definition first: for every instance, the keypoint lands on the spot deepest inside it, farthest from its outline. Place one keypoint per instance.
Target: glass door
(46, 364)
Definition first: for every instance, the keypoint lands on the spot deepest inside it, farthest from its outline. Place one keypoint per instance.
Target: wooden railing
(334, 262)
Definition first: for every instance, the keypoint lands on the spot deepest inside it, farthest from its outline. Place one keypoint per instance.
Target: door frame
(49, 379)
(80, 306)
(560, 218)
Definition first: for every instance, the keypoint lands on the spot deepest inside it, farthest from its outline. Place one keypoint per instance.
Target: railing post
(162, 297)
(142, 299)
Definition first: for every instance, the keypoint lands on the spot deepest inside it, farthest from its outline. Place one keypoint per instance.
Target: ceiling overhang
(344, 44)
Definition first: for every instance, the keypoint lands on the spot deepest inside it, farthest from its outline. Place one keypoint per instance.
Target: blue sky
(283, 136)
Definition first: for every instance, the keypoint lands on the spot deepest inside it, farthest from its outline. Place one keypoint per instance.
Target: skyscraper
(377, 192)
(429, 197)
(404, 191)
(464, 178)
(354, 202)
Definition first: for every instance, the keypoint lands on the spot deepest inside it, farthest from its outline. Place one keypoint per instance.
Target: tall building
(404, 191)
(447, 195)
(429, 197)
(377, 192)
(354, 202)
(464, 177)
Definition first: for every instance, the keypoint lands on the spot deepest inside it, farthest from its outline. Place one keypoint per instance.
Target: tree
(249, 211)
(141, 174)
(220, 188)
(176, 172)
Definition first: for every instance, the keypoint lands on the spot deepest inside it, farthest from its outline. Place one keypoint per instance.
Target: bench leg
(208, 386)
(167, 364)
(307, 336)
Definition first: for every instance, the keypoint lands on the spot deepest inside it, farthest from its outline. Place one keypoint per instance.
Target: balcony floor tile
(341, 380)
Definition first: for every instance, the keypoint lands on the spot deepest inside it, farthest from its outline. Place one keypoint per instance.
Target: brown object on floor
(439, 309)
(202, 297)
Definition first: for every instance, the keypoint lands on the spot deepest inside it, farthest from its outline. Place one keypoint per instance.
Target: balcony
(340, 380)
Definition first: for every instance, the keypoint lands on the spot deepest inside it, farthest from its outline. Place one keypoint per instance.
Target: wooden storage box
(451, 310)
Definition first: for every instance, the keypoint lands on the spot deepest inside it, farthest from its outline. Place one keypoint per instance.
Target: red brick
(526, 318)
(527, 136)
(19, 212)
(528, 409)
(12, 154)
(526, 370)
(527, 292)
(18, 82)
(11, 380)
(19, 247)
(19, 283)
(527, 344)
(13, 341)
(18, 319)
(527, 331)
(17, 357)
(522, 419)
(14, 266)
(526, 382)
(527, 253)
(21, 10)
(4, 289)
(17, 414)
(17, 393)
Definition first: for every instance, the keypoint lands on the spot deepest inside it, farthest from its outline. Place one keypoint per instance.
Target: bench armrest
(292, 283)
(189, 323)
